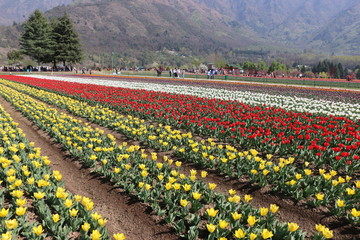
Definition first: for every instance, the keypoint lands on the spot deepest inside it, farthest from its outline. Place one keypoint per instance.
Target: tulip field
(182, 144)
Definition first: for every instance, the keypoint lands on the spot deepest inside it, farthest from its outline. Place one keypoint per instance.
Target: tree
(250, 67)
(276, 66)
(14, 56)
(36, 41)
(67, 47)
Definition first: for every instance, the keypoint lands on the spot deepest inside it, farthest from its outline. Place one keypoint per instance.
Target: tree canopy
(52, 42)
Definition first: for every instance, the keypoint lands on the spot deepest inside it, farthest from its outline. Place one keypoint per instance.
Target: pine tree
(67, 48)
(341, 71)
(36, 41)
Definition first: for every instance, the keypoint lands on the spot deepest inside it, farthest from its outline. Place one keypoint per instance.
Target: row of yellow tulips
(29, 188)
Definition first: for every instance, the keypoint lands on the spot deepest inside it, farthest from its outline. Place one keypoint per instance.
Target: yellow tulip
(266, 234)
(20, 211)
(102, 221)
(4, 212)
(95, 235)
(319, 196)
(11, 224)
(186, 187)
(212, 186)
(274, 208)
(196, 195)
(85, 227)
(247, 198)
(239, 233)
(73, 212)
(56, 217)
(350, 191)
(340, 203)
(264, 211)
(68, 203)
(232, 192)
(223, 224)
(252, 236)
(236, 215)
(212, 212)
(21, 201)
(210, 227)
(6, 236)
(184, 202)
(39, 195)
(355, 212)
(119, 236)
(292, 227)
(251, 220)
(38, 230)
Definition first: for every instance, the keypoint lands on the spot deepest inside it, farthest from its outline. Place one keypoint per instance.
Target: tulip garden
(303, 147)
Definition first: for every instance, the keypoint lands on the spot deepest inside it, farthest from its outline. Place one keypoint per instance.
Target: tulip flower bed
(33, 202)
(316, 186)
(301, 179)
(190, 205)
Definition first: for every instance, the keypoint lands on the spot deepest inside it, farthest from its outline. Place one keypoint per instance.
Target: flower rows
(316, 186)
(291, 103)
(29, 188)
(324, 140)
(190, 205)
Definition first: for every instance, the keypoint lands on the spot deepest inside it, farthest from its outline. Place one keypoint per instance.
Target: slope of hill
(341, 35)
(18, 11)
(155, 25)
(199, 26)
(303, 23)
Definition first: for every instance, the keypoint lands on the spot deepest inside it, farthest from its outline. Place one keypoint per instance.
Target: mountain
(341, 34)
(153, 25)
(18, 11)
(302, 23)
(199, 27)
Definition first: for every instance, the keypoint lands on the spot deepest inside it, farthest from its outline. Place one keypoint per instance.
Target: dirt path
(124, 214)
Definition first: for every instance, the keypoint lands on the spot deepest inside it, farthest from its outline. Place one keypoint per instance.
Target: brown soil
(127, 215)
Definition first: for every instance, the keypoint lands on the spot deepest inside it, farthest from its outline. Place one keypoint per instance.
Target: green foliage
(14, 56)
(67, 47)
(276, 66)
(36, 40)
(323, 75)
(46, 42)
(249, 66)
(261, 66)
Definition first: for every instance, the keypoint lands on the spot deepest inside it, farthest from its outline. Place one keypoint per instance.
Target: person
(83, 70)
(183, 73)
(170, 72)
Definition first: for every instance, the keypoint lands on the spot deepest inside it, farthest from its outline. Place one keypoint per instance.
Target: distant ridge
(198, 27)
